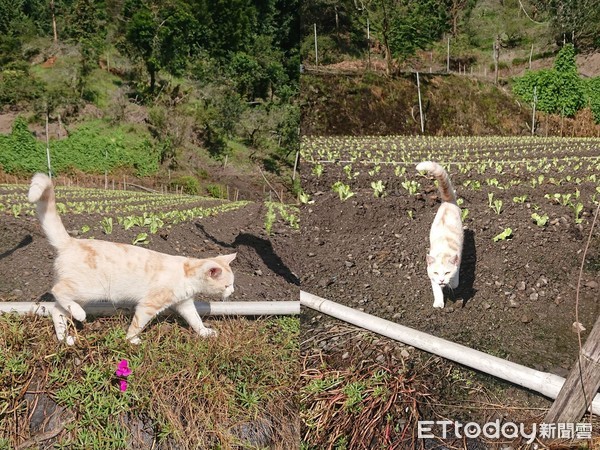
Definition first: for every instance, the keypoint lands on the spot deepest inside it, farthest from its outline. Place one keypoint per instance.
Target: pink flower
(123, 385)
(123, 369)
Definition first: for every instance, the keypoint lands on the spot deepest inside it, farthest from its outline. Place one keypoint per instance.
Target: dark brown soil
(264, 267)
(516, 297)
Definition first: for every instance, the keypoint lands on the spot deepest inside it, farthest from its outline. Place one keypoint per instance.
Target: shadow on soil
(465, 290)
(263, 248)
(24, 242)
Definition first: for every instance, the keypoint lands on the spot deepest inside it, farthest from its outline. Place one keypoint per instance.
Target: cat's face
(442, 269)
(218, 276)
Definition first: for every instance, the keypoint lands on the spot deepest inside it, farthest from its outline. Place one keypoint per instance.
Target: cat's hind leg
(63, 292)
(438, 295)
(188, 311)
(145, 311)
(143, 315)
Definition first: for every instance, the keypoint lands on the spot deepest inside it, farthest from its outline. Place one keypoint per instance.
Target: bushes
(20, 152)
(16, 86)
(92, 148)
(592, 94)
(189, 184)
(559, 90)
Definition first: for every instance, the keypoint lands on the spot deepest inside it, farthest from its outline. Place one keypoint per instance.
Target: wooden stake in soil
(581, 385)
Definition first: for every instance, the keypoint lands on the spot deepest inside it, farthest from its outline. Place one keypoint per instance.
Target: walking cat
(88, 269)
(445, 237)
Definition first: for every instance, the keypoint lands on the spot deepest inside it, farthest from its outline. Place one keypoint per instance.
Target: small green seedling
(411, 186)
(378, 188)
(343, 190)
(303, 197)
(577, 209)
(16, 209)
(107, 225)
(318, 170)
(521, 199)
(85, 229)
(141, 239)
(497, 206)
(507, 233)
(540, 221)
(464, 213)
(270, 217)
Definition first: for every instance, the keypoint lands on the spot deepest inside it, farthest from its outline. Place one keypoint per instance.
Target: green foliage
(540, 221)
(92, 148)
(190, 184)
(17, 86)
(558, 90)
(215, 190)
(343, 190)
(592, 94)
(507, 233)
(413, 25)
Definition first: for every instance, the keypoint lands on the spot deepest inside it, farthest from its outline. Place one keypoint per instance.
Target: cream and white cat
(445, 237)
(88, 269)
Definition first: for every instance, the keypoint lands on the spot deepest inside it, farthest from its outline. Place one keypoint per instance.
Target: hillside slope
(368, 103)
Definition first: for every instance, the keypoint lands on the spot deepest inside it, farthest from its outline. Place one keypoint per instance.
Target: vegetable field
(183, 392)
(527, 207)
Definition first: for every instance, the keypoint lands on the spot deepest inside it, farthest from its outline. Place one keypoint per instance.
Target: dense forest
(492, 40)
(402, 27)
(187, 78)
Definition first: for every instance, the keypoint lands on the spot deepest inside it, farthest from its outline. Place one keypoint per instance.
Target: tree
(405, 26)
(574, 21)
(162, 35)
(559, 90)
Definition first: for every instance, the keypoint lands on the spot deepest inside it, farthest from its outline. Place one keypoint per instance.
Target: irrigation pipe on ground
(204, 308)
(545, 383)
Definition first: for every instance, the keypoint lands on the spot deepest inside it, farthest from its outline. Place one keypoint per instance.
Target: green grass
(188, 391)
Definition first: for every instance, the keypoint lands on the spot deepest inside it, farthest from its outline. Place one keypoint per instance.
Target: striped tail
(444, 184)
(41, 193)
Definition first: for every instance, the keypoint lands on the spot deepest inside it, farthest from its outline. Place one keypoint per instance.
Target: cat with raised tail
(89, 269)
(445, 237)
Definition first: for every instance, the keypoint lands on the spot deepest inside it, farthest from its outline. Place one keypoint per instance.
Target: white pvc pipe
(204, 308)
(545, 383)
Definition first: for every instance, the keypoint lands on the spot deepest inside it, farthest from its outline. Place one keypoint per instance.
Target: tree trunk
(53, 21)
(496, 58)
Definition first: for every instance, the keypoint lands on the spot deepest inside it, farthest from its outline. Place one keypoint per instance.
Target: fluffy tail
(41, 193)
(444, 184)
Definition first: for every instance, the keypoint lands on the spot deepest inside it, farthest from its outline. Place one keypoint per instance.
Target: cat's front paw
(77, 312)
(70, 341)
(208, 332)
(135, 340)
(438, 304)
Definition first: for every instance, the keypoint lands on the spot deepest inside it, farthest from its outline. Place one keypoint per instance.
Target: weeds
(184, 390)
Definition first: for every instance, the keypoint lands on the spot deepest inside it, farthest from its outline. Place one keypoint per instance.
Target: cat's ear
(430, 260)
(227, 258)
(214, 272)
(455, 260)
